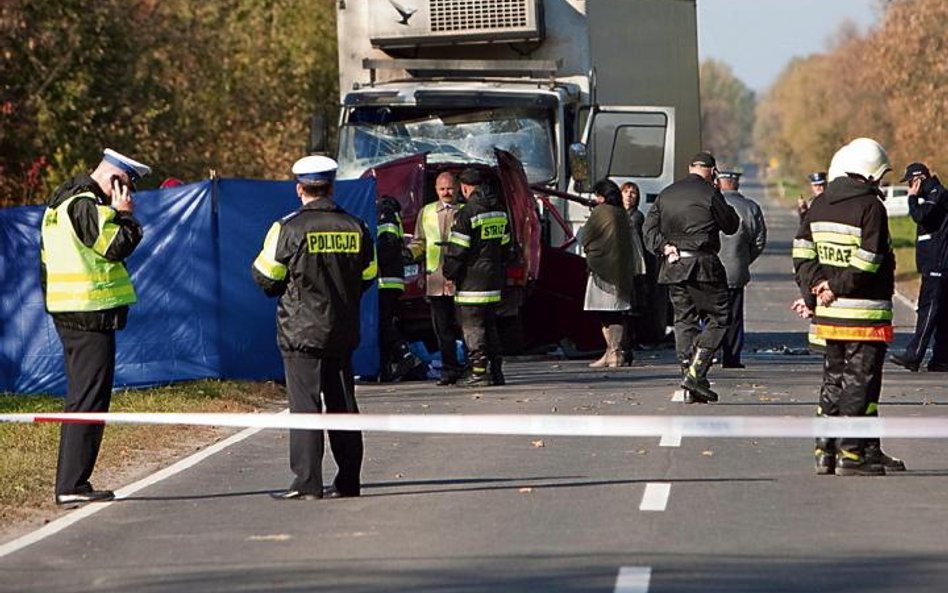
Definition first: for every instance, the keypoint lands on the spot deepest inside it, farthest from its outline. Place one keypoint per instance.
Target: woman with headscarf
(607, 240)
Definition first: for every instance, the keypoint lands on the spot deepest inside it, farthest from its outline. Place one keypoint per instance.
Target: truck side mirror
(578, 163)
(318, 134)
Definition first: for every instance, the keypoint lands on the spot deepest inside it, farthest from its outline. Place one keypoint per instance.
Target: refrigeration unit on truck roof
(406, 23)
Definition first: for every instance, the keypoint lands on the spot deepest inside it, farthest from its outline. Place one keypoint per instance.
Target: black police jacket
(690, 214)
(318, 260)
(85, 221)
(929, 210)
(477, 252)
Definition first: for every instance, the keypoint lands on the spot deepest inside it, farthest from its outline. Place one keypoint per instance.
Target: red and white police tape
(551, 425)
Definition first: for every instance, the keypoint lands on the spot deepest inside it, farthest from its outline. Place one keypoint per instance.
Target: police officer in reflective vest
(842, 254)
(318, 260)
(88, 231)
(396, 359)
(928, 207)
(683, 228)
(432, 231)
(476, 262)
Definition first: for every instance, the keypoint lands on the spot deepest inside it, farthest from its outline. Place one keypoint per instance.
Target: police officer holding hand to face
(928, 207)
(817, 185)
(87, 232)
(476, 262)
(318, 260)
(683, 229)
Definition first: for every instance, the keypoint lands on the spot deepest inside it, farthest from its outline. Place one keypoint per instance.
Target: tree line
(183, 85)
(888, 84)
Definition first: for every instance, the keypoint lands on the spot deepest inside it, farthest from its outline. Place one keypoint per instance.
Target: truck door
(522, 208)
(633, 144)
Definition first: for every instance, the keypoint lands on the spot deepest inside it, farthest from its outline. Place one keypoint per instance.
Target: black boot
(875, 455)
(696, 379)
(854, 463)
(497, 371)
(825, 456)
(479, 376)
(403, 361)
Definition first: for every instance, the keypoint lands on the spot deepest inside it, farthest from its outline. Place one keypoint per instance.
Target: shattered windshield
(373, 135)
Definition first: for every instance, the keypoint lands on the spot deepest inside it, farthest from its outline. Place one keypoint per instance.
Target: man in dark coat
(683, 228)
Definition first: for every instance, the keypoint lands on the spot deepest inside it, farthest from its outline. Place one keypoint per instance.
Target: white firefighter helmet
(864, 157)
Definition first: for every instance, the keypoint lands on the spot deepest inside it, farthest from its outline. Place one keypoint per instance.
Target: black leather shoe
(876, 456)
(295, 495)
(904, 362)
(937, 367)
(84, 497)
(333, 492)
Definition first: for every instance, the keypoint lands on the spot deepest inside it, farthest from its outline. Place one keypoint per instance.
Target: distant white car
(896, 199)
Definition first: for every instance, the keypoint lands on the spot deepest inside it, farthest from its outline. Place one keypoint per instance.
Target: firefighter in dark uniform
(318, 260)
(476, 262)
(842, 254)
(683, 229)
(87, 232)
(928, 207)
(396, 358)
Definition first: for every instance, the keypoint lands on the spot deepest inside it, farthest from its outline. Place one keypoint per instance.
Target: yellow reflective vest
(80, 278)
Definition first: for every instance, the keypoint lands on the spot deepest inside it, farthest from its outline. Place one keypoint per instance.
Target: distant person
(88, 232)
(432, 232)
(738, 252)
(476, 261)
(683, 227)
(318, 260)
(928, 207)
(607, 241)
(817, 185)
(843, 255)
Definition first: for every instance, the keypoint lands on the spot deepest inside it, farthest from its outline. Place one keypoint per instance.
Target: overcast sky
(757, 38)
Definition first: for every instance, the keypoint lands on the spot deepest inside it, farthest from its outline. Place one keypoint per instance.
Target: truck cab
(572, 90)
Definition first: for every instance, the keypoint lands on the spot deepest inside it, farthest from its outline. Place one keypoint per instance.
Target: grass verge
(28, 463)
(907, 279)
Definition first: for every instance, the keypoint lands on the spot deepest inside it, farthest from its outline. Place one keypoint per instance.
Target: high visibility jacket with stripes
(844, 239)
(476, 257)
(391, 246)
(83, 245)
(318, 260)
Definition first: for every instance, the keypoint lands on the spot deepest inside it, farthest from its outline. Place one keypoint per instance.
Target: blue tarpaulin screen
(199, 313)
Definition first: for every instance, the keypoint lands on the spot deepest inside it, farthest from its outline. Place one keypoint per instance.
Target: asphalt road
(553, 514)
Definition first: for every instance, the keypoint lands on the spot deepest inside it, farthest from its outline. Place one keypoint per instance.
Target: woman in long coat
(607, 240)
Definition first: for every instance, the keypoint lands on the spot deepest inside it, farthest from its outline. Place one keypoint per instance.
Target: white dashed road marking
(655, 497)
(633, 579)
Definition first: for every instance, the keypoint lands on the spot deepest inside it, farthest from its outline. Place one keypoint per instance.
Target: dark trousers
(733, 342)
(90, 368)
(852, 380)
(444, 319)
(479, 323)
(306, 379)
(390, 336)
(693, 301)
(932, 322)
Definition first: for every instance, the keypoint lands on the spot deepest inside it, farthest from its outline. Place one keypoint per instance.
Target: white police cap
(315, 169)
(133, 168)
